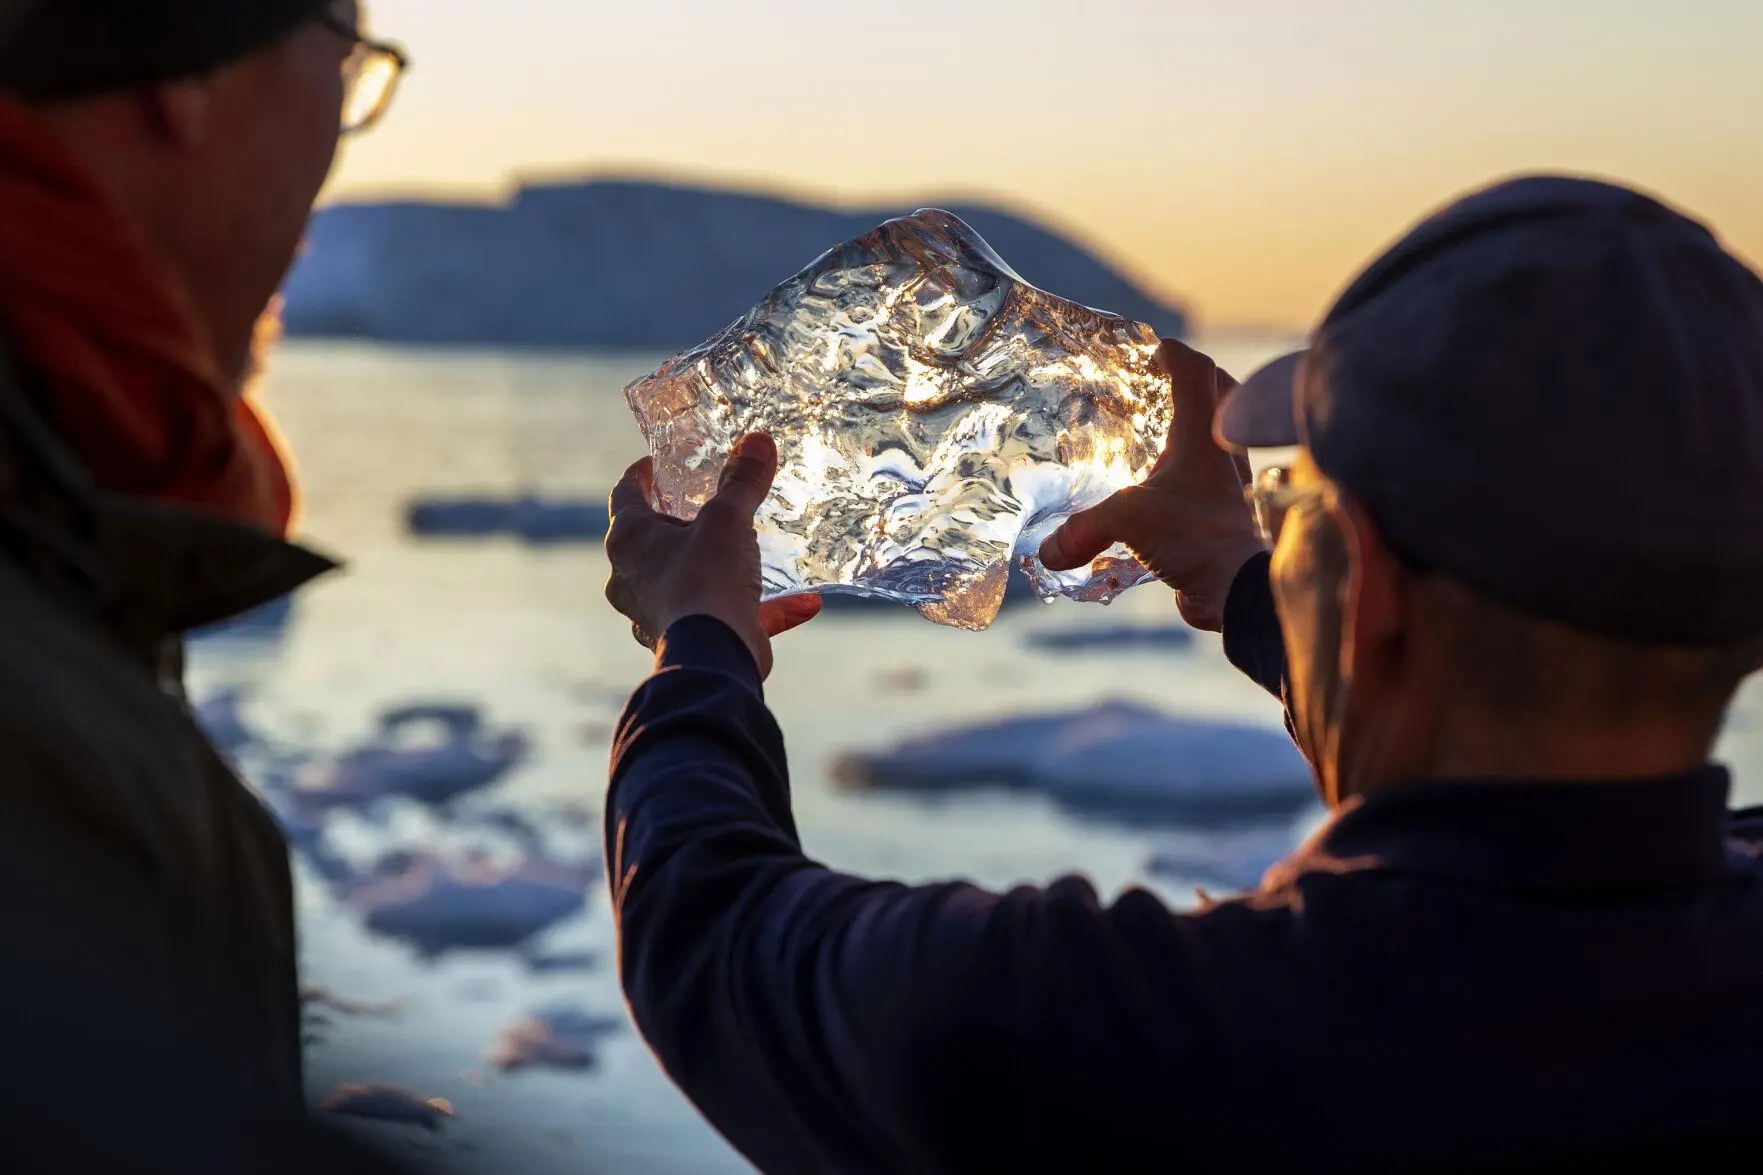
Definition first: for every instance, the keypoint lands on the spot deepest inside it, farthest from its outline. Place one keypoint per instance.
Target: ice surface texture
(936, 417)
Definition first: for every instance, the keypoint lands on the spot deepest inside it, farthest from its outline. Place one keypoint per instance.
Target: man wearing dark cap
(1518, 578)
(158, 163)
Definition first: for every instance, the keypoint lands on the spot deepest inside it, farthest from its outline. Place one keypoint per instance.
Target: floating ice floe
(466, 758)
(530, 519)
(387, 1103)
(515, 824)
(562, 961)
(316, 1004)
(438, 905)
(553, 1038)
(1117, 761)
(1118, 639)
(1230, 861)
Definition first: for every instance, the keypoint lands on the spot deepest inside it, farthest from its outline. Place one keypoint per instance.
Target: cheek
(1294, 599)
(314, 112)
(1310, 620)
(294, 145)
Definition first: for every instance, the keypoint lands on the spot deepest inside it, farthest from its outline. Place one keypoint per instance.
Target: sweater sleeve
(824, 1022)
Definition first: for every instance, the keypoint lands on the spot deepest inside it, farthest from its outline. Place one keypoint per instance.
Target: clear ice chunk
(936, 418)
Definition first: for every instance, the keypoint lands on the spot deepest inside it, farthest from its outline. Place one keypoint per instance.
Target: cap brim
(1262, 413)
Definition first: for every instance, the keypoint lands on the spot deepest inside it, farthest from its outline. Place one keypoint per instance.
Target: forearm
(742, 960)
(823, 1022)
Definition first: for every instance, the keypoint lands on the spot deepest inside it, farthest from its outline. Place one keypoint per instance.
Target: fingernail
(757, 447)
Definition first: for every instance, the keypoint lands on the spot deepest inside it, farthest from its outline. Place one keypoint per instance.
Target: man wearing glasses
(158, 164)
(1516, 580)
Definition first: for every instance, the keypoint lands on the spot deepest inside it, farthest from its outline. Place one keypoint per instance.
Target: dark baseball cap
(1552, 391)
(60, 50)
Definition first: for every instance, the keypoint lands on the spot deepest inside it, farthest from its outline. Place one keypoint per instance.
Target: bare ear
(1373, 615)
(180, 112)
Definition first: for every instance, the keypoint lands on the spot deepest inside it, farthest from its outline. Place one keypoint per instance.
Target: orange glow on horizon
(1244, 160)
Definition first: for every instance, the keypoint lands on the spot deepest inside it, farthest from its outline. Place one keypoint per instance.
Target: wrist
(705, 643)
(1203, 600)
(1239, 556)
(740, 618)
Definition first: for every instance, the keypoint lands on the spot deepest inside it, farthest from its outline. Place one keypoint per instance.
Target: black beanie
(68, 49)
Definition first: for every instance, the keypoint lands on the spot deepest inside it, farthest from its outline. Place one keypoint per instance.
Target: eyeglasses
(1272, 495)
(370, 76)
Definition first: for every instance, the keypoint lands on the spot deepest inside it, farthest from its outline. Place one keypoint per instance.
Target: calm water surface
(527, 635)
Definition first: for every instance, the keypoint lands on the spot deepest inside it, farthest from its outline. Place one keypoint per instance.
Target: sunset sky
(1244, 156)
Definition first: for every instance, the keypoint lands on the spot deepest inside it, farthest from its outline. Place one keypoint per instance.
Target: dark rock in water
(616, 264)
(556, 1038)
(387, 1103)
(531, 520)
(1115, 762)
(438, 906)
(456, 518)
(542, 522)
(1119, 639)
(461, 719)
(554, 964)
(467, 759)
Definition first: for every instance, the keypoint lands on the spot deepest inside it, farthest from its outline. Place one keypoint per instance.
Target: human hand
(664, 570)
(1188, 521)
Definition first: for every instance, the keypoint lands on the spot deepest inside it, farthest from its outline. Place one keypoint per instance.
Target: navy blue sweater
(1456, 975)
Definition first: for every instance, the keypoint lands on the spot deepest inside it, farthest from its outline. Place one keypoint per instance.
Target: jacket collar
(1539, 836)
(152, 569)
(171, 569)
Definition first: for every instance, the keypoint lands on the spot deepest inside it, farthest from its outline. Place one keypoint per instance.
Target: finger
(632, 496)
(1195, 387)
(780, 616)
(1088, 533)
(624, 601)
(747, 478)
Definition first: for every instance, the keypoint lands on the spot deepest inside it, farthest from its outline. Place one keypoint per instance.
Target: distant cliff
(614, 264)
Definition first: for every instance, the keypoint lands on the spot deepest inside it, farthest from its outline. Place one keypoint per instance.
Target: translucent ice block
(936, 417)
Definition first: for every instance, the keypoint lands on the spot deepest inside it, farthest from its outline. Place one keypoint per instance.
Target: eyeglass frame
(1272, 495)
(389, 50)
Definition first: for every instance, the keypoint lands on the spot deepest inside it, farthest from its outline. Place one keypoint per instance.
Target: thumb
(1088, 533)
(746, 479)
